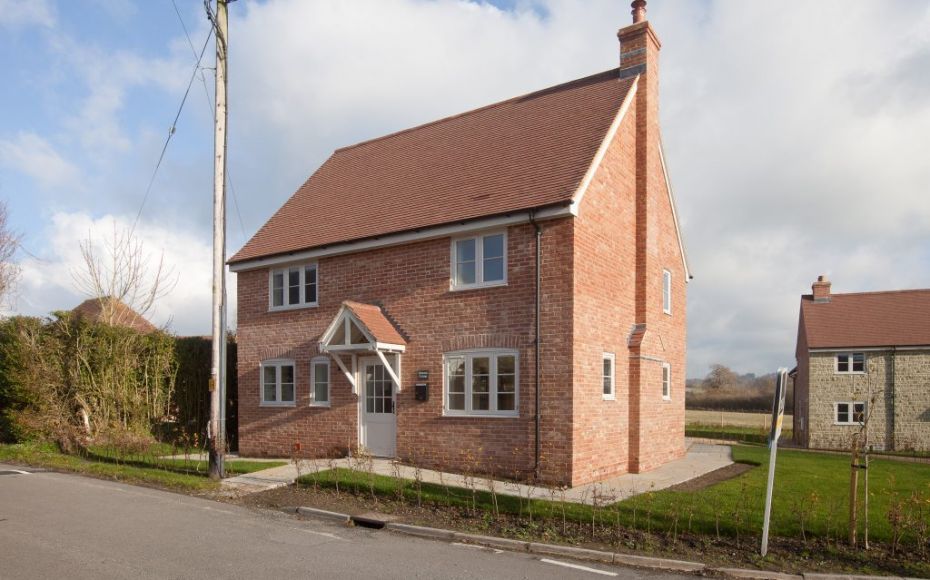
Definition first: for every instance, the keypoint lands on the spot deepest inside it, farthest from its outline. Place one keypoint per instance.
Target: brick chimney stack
(639, 11)
(821, 289)
(639, 58)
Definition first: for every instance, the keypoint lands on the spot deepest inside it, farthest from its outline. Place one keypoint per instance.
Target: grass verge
(148, 468)
(810, 504)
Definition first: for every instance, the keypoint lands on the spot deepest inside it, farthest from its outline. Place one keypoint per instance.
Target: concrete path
(700, 459)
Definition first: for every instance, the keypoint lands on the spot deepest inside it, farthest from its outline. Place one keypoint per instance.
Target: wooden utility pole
(218, 364)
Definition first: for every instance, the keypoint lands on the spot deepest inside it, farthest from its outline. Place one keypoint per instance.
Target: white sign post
(778, 414)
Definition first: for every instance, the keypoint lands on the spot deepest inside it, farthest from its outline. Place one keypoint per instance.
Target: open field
(732, 419)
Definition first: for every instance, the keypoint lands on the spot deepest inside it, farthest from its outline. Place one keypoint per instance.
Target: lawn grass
(810, 489)
(733, 433)
(149, 468)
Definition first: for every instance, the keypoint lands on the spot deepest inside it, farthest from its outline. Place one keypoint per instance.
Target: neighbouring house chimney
(821, 289)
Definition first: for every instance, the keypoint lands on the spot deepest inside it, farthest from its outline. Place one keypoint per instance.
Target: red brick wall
(411, 282)
(605, 278)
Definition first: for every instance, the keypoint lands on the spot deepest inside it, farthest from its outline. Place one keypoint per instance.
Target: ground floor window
(608, 379)
(666, 381)
(319, 376)
(482, 382)
(849, 413)
(278, 382)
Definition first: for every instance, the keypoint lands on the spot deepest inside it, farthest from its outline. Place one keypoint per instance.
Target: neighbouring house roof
(524, 153)
(114, 312)
(895, 318)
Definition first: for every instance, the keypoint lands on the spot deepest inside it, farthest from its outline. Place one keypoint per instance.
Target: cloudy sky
(797, 135)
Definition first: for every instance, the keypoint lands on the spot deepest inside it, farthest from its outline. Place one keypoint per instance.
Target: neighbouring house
(863, 354)
(501, 291)
(114, 312)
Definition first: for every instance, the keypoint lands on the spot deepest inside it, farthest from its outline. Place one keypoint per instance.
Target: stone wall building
(501, 291)
(863, 354)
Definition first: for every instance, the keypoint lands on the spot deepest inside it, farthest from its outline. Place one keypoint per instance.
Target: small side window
(667, 381)
(609, 381)
(319, 388)
(666, 292)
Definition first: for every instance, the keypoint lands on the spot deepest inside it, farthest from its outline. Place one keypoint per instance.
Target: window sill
(477, 286)
(326, 405)
(481, 415)
(848, 372)
(609, 397)
(292, 307)
(668, 312)
(265, 404)
(667, 399)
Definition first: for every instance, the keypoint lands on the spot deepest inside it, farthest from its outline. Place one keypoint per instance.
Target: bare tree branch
(9, 243)
(120, 272)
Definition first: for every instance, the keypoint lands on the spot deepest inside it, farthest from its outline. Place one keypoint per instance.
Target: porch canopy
(363, 329)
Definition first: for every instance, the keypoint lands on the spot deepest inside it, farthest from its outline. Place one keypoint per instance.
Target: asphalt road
(56, 525)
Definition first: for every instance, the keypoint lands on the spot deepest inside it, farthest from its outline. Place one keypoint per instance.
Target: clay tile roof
(896, 318)
(375, 322)
(109, 310)
(527, 152)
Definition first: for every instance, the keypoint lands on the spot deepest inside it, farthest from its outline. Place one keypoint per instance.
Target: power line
(171, 132)
(209, 102)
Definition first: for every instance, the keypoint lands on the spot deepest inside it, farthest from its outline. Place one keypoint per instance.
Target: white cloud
(32, 155)
(48, 284)
(20, 13)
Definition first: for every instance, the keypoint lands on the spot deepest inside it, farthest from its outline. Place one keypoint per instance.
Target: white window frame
(667, 291)
(285, 270)
(468, 355)
(851, 409)
(479, 261)
(612, 395)
(277, 364)
(315, 362)
(851, 356)
(666, 382)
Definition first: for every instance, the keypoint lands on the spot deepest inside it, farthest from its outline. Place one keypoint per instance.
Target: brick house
(501, 291)
(863, 353)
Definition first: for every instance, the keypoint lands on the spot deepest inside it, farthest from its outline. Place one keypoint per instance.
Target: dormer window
(293, 287)
(479, 261)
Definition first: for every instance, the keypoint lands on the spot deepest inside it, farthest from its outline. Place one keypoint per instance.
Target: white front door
(378, 421)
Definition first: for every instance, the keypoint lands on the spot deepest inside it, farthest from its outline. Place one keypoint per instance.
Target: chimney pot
(821, 289)
(639, 10)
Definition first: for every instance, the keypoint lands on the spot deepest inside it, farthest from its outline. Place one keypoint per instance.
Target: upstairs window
(609, 376)
(850, 362)
(667, 381)
(278, 383)
(293, 287)
(319, 377)
(849, 413)
(479, 261)
(666, 292)
(483, 382)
